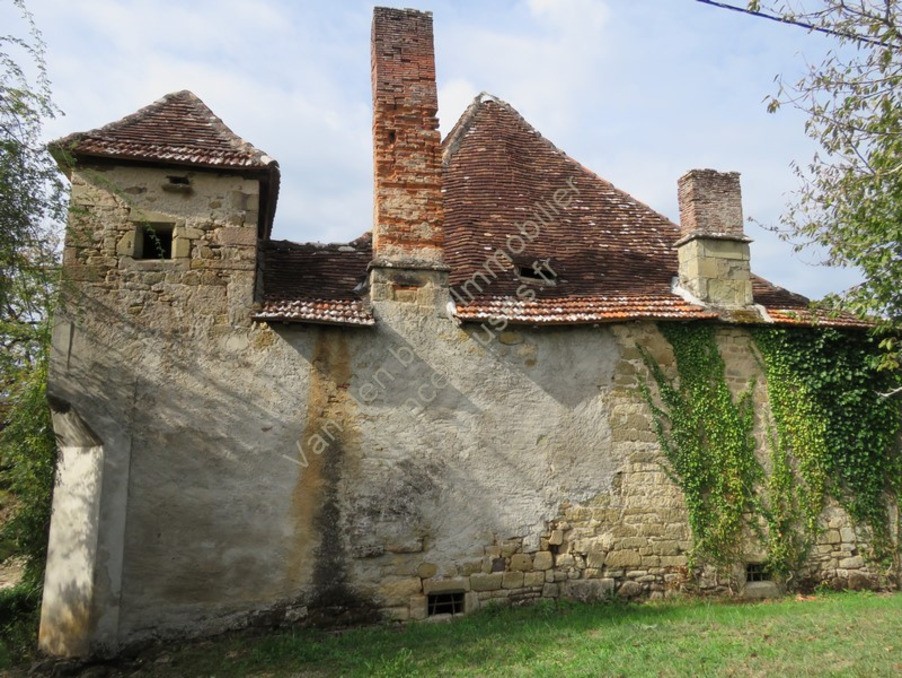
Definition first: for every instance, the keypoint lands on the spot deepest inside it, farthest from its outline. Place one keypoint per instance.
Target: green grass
(18, 624)
(850, 634)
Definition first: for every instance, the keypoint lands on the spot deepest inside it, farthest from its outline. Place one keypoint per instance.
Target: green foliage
(31, 207)
(707, 440)
(850, 200)
(831, 418)
(27, 462)
(833, 434)
(19, 617)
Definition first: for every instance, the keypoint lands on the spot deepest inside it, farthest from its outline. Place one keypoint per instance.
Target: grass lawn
(848, 634)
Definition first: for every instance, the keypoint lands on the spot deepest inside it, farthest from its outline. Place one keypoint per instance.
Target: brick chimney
(713, 250)
(407, 221)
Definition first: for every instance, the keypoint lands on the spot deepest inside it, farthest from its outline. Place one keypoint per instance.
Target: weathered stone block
(486, 582)
(623, 558)
(427, 570)
(521, 562)
(512, 580)
(852, 563)
(445, 585)
(397, 591)
(587, 590)
(630, 589)
(181, 248)
(419, 607)
(543, 560)
(237, 236)
(534, 579)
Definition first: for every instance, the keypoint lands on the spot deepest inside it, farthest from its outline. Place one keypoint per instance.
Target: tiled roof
(177, 129)
(315, 283)
(613, 255)
(787, 308)
(581, 309)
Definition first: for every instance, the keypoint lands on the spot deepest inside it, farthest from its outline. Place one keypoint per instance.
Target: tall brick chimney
(407, 221)
(713, 250)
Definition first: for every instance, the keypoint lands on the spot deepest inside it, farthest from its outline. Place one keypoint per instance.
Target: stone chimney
(407, 221)
(713, 250)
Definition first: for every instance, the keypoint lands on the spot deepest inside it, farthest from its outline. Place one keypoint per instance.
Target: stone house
(439, 415)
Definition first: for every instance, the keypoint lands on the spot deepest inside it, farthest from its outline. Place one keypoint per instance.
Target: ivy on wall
(830, 417)
(832, 434)
(707, 441)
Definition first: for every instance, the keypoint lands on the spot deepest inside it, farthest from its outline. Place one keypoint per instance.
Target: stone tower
(159, 267)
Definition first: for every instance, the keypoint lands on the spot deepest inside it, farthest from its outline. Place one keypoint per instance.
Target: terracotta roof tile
(582, 309)
(612, 254)
(315, 283)
(177, 129)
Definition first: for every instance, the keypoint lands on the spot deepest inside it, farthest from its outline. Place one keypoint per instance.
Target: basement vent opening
(179, 181)
(445, 603)
(756, 572)
(156, 242)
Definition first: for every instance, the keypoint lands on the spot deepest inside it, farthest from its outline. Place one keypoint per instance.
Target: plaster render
(217, 472)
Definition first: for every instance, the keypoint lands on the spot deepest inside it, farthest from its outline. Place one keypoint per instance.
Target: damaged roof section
(316, 283)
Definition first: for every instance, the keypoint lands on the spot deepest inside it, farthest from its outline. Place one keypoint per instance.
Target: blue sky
(637, 90)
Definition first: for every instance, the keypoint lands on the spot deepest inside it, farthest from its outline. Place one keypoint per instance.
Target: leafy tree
(850, 201)
(31, 207)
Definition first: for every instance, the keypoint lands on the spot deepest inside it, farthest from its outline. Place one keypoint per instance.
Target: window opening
(445, 603)
(156, 241)
(538, 271)
(756, 572)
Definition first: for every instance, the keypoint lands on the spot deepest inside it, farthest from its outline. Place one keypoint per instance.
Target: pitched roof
(315, 283)
(177, 129)
(613, 256)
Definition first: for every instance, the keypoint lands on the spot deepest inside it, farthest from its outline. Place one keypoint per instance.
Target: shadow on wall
(208, 430)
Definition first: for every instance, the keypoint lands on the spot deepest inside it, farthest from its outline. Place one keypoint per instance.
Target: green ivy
(707, 441)
(832, 433)
(830, 417)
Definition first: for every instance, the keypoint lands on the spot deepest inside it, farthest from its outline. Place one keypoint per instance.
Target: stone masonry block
(521, 562)
(543, 560)
(453, 585)
(512, 580)
(486, 582)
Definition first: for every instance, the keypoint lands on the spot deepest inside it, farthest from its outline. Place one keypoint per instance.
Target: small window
(538, 272)
(178, 183)
(445, 603)
(156, 242)
(756, 572)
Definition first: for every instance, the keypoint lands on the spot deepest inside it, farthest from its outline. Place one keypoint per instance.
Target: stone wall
(232, 472)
